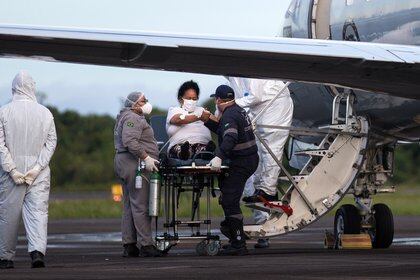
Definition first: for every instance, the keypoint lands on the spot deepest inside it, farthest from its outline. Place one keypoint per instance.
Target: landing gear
(376, 220)
(379, 224)
(347, 221)
(383, 230)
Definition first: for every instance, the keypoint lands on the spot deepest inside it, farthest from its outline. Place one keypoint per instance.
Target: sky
(98, 89)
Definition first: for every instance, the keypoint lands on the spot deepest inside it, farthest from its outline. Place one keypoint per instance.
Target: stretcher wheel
(201, 248)
(164, 246)
(213, 247)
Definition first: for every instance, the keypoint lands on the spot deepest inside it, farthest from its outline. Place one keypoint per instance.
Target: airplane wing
(391, 69)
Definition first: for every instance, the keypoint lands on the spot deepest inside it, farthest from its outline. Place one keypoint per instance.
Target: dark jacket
(234, 130)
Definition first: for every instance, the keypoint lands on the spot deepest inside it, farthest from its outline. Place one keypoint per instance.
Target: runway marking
(168, 267)
(411, 241)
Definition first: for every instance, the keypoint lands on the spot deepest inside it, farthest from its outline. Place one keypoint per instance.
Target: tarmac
(91, 249)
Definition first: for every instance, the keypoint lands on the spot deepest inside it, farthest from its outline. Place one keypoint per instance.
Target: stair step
(317, 153)
(296, 178)
(272, 206)
(334, 126)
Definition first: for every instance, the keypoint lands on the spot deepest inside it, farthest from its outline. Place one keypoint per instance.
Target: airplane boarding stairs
(321, 184)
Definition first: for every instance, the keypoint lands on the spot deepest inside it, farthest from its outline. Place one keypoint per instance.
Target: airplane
(392, 119)
(354, 67)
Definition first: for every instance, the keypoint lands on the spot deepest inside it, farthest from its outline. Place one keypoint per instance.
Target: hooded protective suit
(253, 95)
(27, 143)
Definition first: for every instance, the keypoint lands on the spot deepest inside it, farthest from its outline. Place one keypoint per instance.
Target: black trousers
(232, 186)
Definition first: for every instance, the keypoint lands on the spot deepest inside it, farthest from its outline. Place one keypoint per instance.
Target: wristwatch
(182, 117)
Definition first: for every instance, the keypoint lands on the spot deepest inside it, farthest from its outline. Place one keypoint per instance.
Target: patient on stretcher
(187, 133)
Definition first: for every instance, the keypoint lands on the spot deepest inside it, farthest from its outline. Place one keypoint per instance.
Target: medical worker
(134, 141)
(27, 143)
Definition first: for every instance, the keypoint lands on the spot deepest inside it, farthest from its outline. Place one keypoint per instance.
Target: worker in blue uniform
(236, 145)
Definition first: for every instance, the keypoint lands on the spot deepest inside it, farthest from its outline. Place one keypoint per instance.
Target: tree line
(85, 152)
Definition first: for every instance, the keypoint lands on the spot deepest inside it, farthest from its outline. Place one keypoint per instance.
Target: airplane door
(321, 19)
(297, 23)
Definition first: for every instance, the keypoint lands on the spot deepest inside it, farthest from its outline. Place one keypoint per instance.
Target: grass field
(84, 208)
(406, 201)
(106, 208)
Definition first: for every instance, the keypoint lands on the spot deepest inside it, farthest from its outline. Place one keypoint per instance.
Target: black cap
(224, 92)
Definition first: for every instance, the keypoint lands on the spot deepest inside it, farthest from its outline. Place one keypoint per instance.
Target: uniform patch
(130, 124)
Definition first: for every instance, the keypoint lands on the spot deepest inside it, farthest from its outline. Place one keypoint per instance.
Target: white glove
(198, 112)
(151, 164)
(17, 177)
(215, 164)
(32, 174)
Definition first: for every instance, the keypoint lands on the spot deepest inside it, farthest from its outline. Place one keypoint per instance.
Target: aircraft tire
(383, 233)
(347, 221)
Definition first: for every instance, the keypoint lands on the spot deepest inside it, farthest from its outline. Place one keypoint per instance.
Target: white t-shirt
(194, 132)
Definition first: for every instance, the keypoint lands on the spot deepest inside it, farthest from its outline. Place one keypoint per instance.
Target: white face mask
(189, 105)
(147, 108)
(222, 106)
(217, 113)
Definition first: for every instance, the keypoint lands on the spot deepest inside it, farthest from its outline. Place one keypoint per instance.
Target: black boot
(237, 244)
(6, 264)
(37, 259)
(150, 251)
(131, 250)
(256, 197)
(226, 230)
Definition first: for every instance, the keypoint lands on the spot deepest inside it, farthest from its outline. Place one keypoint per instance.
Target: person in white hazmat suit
(27, 143)
(253, 95)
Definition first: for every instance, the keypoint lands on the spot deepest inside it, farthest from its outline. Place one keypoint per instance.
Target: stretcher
(189, 178)
(192, 177)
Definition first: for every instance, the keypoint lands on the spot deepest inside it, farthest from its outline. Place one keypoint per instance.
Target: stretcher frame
(197, 180)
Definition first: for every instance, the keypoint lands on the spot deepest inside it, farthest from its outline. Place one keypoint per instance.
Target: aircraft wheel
(383, 231)
(347, 221)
